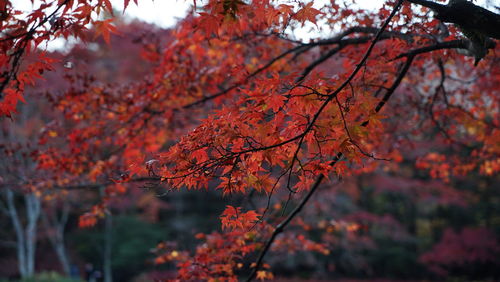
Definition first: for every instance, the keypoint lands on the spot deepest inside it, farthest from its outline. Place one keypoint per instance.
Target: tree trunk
(32, 213)
(108, 241)
(26, 237)
(58, 224)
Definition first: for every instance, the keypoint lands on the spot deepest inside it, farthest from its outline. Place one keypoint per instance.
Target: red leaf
(104, 28)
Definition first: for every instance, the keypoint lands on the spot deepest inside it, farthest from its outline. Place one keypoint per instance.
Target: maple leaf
(258, 135)
(105, 28)
(285, 9)
(307, 13)
(209, 23)
(235, 219)
(276, 101)
(83, 11)
(9, 102)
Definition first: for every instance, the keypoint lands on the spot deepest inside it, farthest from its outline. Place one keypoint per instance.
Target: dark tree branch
(453, 44)
(15, 58)
(467, 15)
(280, 227)
(304, 47)
(236, 85)
(342, 43)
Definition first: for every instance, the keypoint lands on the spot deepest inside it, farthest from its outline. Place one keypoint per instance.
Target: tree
(233, 102)
(18, 167)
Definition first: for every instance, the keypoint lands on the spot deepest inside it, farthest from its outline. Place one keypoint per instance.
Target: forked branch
(280, 227)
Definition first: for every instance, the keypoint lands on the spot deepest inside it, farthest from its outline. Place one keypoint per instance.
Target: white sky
(165, 13)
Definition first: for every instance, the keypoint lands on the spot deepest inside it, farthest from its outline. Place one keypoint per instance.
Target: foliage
(380, 142)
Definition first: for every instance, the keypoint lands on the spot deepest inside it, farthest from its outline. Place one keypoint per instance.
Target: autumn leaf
(105, 28)
(209, 24)
(264, 275)
(234, 218)
(232, 98)
(307, 13)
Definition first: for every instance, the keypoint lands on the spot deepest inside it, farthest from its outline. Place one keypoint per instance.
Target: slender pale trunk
(20, 244)
(58, 224)
(26, 237)
(33, 214)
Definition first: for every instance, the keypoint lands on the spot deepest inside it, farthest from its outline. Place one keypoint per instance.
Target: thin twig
(280, 227)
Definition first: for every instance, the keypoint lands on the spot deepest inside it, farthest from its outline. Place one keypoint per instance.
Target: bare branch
(280, 227)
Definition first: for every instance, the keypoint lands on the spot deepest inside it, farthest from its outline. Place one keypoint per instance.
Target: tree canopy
(395, 103)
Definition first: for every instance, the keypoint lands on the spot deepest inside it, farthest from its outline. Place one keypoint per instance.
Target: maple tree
(229, 100)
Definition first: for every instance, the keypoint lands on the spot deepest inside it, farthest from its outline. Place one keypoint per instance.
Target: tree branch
(453, 44)
(467, 15)
(280, 227)
(338, 39)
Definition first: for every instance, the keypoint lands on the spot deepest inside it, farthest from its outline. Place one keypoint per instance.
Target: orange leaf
(104, 28)
(308, 13)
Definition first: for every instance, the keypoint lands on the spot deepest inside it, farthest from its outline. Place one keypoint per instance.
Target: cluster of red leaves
(234, 218)
(230, 103)
(90, 218)
(471, 245)
(23, 33)
(217, 259)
